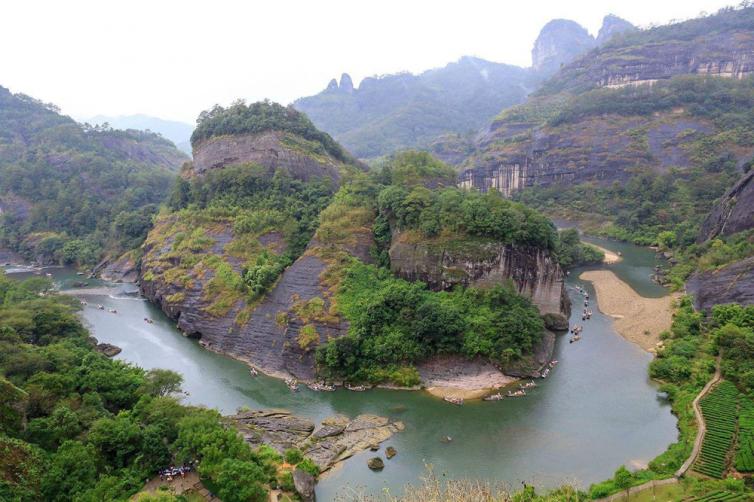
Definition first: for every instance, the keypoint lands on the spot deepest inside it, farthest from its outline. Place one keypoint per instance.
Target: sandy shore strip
(610, 256)
(455, 376)
(637, 319)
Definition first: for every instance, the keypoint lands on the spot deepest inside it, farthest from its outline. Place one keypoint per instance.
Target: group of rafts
(586, 314)
(99, 307)
(294, 384)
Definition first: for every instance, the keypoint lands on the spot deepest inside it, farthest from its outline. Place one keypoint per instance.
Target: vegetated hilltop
(177, 132)
(281, 257)
(392, 112)
(646, 156)
(70, 192)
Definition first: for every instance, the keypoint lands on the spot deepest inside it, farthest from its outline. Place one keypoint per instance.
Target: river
(597, 409)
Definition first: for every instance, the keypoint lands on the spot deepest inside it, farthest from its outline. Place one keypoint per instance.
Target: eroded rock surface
(341, 439)
(733, 213)
(442, 266)
(731, 284)
(273, 150)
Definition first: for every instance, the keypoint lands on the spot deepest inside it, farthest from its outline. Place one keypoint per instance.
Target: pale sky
(172, 59)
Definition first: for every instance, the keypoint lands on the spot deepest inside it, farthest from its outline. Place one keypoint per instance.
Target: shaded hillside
(177, 132)
(645, 158)
(70, 192)
(392, 112)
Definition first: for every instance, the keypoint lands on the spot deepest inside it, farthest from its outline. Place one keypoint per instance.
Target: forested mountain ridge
(177, 132)
(392, 112)
(70, 192)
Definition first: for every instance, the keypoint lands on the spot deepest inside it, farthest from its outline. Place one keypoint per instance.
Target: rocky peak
(332, 86)
(613, 25)
(560, 42)
(346, 84)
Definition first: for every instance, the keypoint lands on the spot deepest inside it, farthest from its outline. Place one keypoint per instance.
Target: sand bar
(610, 256)
(454, 376)
(637, 319)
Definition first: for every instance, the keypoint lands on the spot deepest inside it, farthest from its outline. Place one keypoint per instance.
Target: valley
(479, 282)
(561, 416)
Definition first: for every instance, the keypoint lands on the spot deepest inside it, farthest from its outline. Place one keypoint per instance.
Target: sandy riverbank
(638, 319)
(454, 376)
(610, 256)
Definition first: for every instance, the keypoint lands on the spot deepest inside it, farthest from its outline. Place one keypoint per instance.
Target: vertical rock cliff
(475, 262)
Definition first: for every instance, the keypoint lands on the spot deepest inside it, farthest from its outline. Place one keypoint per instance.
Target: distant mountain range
(177, 132)
(393, 112)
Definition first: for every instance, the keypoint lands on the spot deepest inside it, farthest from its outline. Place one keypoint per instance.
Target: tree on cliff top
(262, 116)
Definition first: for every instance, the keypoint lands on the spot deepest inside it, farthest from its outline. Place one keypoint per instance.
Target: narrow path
(700, 421)
(701, 430)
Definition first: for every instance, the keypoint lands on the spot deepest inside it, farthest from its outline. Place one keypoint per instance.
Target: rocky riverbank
(334, 440)
(638, 319)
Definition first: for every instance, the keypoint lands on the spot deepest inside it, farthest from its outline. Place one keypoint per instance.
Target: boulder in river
(108, 349)
(390, 452)
(376, 464)
(304, 484)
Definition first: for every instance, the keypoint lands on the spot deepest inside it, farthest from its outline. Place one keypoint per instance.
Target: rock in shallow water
(376, 464)
(390, 452)
(108, 349)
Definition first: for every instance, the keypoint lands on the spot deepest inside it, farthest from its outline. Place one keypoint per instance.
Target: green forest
(394, 323)
(77, 426)
(72, 193)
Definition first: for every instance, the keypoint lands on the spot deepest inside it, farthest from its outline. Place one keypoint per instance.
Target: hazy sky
(173, 59)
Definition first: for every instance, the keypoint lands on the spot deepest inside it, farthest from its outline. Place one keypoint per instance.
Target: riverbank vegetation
(75, 425)
(395, 324)
(683, 366)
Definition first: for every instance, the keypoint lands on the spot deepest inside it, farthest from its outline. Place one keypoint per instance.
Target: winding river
(596, 410)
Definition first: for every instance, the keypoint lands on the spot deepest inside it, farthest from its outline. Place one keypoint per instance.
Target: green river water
(596, 410)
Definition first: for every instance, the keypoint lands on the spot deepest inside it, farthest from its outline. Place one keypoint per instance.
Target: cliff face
(612, 26)
(533, 145)
(731, 284)
(442, 265)
(274, 150)
(733, 213)
(721, 45)
(266, 333)
(603, 149)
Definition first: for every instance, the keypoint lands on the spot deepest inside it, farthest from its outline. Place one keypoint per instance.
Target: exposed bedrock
(533, 272)
(731, 284)
(334, 440)
(733, 213)
(274, 150)
(268, 338)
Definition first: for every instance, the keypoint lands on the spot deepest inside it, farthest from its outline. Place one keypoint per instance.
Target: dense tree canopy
(75, 425)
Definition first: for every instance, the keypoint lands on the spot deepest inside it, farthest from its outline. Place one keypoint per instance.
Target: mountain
(278, 243)
(392, 112)
(559, 42)
(643, 139)
(68, 192)
(177, 132)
